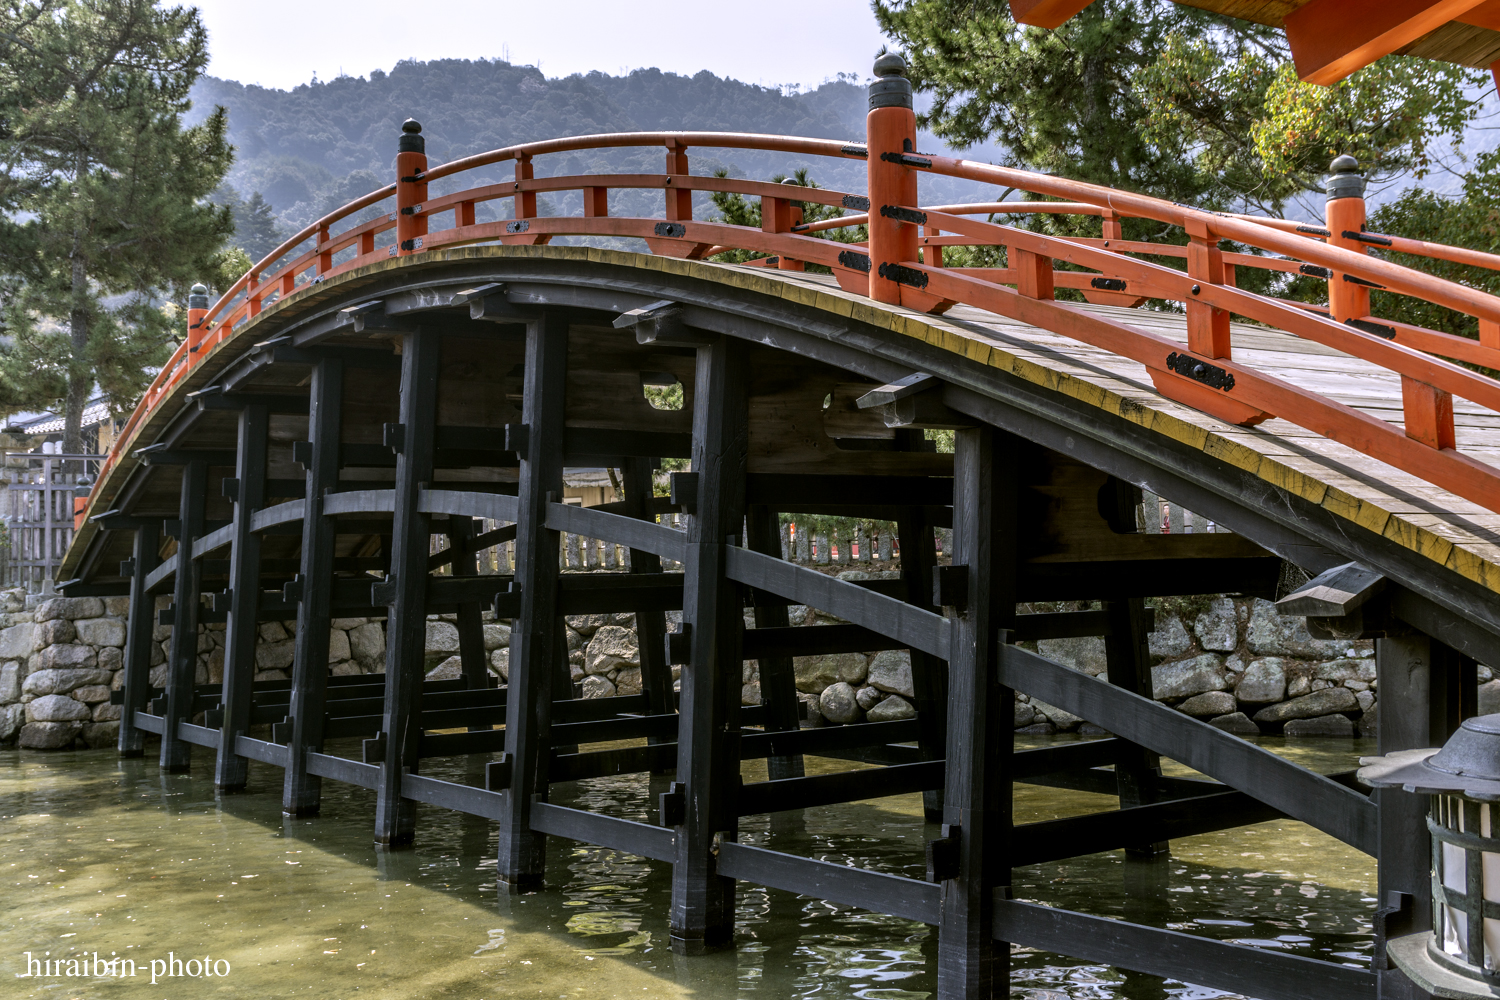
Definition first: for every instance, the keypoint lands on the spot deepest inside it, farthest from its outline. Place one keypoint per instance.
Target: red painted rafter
(1045, 13)
(1332, 38)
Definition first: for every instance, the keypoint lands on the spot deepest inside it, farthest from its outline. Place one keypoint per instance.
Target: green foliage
(255, 230)
(1167, 100)
(112, 192)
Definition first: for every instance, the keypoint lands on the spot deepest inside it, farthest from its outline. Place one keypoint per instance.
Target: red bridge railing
(902, 263)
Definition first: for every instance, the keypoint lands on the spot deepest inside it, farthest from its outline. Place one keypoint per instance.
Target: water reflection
(113, 857)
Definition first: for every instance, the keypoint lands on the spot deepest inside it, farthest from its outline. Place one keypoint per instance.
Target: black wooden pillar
(1128, 660)
(1420, 702)
(972, 859)
(470, 617)
(650, 626)
(778, 679)
(301, 792)
(929, 674)
(241, 627)
(138, 631)
(182, 662)
(707, 739)
(534, 638)
(406, 619)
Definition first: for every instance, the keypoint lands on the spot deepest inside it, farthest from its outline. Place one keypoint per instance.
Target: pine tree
(113, 192)
(255, 228)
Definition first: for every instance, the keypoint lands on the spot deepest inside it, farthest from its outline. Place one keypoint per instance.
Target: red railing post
(196, 311)
(779, 215)
(1345, 213)
(890, 133)
(1207, 326)
(325, 257)
(252, 297)
(411, 189)
(679, 199)
(525, 201)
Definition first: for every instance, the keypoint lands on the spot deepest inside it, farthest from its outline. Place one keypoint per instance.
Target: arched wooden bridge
(329, 415)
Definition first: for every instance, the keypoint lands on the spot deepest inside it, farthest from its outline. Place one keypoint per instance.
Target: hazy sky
(279, 43)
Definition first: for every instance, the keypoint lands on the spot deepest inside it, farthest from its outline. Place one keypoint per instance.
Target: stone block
(1298, 686)
(45, 682)
(70, 608)
(1170, 639)
(272, 632)
(891, 709)
(117, 607)
(92, 693)
(1310, 706)
(1235, 722)
(815, 673)
(1085, 653)
(628, 682)
(55, 631)
(158, 654)
(500, 664)
(587, 625)
(1064, 721)
(1345, 670)
(837, 703)
(1025, 715)
(1489, 697)
(496, 637)
(338, 646)
(367, 643)
(158, 676)
(275, 655)
(868, 697)
(610, 648)
(346, 669)
(270, 675)
(1187, 677)
(449, 670)
(66, 656)
(749, 693)
(854, 669)
(890, 670)
(101, 631)
(99, 735)
(12, 718)
(111, 658)
(1322, 725)
(1365, 699)
(345, 624)
(576, 639)
(598, 686)
(442, 638)
(1271, 634)
(1218, 627)
(10, 682)
(18, 642)
(56, 708)
(799, 614)
(13, 600)
(1264, 681)
(1209, 703)
(105, 712)
(49, 735)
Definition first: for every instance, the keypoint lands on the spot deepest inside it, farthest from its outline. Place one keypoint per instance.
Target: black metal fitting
(903, 275)
(1200, 371)
(411, 140)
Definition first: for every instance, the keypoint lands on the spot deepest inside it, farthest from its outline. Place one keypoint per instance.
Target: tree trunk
(80, 380)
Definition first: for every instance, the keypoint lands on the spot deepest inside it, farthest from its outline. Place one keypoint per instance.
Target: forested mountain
(321, 144)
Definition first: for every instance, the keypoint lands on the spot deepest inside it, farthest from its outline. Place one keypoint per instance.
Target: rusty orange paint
(1428, 412)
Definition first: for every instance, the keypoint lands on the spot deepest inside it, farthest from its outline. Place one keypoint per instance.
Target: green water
(111, 857)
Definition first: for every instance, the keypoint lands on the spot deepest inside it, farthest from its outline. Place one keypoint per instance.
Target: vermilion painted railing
(902, 263)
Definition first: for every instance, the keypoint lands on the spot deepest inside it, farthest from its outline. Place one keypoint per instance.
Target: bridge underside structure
(299, 456)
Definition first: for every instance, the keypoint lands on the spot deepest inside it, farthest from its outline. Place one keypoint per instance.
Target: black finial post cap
(198, 296)
(891, 88)
(411, 137)
(1344, 179)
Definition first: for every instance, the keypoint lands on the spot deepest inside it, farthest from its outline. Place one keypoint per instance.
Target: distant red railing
(902, 263)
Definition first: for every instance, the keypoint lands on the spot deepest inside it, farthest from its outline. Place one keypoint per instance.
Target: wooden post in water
(707, 733)
(138, 635)
(302, 791)
(241, 626)
(182, 661)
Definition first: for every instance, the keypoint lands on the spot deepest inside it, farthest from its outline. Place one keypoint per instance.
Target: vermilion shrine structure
(328, 416)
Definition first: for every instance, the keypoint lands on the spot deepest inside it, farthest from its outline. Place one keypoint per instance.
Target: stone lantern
(1460, 957)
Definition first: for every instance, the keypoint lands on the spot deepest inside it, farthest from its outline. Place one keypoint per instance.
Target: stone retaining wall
(1231, 661)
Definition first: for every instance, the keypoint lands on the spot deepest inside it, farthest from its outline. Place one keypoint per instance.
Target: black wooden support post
(182, 662)
(138, 633)
(301, 792)
(650, 626)
(534, 638)
(973, 858)
(470, 617)
(707, 741)
(778, 681)
(249, 495)
(406, 620)
(1128, 660)
(929, 674)
(1419, 705)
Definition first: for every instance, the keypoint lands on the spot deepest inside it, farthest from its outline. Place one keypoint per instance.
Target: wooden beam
(1333, 593)
(778, 681)
(781, 794)
(138, 636)
(870, 890)
(650, 626)
(1332, 38)
(1235, 968)
(182, 660)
